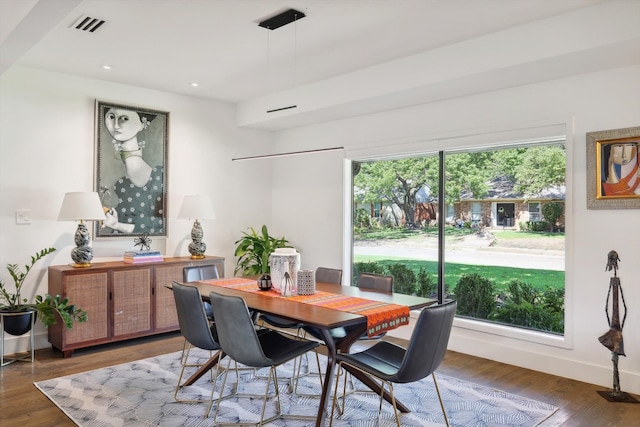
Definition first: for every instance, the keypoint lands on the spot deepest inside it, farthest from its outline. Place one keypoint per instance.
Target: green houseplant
(253, 251)
(46, 306)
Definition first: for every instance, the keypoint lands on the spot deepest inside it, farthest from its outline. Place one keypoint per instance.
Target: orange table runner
(381, 316)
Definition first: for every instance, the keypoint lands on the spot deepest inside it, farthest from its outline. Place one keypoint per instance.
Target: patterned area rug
(141, 394)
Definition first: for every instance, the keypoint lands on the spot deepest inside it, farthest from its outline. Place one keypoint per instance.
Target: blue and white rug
(141, 394)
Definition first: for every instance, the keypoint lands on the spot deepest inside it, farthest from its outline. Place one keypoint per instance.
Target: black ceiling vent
(282, 19)
(88, 24)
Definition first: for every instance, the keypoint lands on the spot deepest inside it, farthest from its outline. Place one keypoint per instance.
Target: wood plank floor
(21, 404)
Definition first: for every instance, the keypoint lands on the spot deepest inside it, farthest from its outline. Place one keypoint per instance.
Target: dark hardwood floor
(21, 404)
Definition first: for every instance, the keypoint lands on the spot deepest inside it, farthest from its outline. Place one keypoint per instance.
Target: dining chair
(329, 275)
(375, 282)
(197, 332)
(257, 348)
(195, 273)
(393, 364)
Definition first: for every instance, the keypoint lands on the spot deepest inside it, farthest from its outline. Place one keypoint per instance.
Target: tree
(468, 172)
(551, 213)
(540, 168)
(397, 181)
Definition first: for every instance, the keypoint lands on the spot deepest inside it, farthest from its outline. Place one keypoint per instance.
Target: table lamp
(81, 206)
(196, 208)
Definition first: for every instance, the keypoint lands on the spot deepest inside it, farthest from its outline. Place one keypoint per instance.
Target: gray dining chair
(195, 273)
(197, 332)
(391, 363)
(375, 282)
(257, 348)
(329, 275)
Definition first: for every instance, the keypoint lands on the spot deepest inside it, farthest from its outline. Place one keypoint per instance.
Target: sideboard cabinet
(122, 300)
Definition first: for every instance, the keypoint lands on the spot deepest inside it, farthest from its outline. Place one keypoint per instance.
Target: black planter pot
(17, 323)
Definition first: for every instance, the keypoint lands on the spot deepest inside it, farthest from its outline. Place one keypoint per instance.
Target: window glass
(504, 259)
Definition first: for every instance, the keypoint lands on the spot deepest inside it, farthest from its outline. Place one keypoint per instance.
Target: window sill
(537, 337)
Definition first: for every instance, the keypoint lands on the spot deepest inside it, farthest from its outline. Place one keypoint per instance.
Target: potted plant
(12, 301)
(253, 252)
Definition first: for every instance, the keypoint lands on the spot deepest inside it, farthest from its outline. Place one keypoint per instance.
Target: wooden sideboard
(122, 300)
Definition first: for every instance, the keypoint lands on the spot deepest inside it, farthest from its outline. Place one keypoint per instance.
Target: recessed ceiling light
(194, 84)
(106, 67)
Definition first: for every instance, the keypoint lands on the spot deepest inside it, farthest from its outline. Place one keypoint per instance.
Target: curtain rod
(291, 153)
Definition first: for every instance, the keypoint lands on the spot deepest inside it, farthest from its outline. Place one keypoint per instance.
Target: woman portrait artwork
(619, 173)
(131, 170)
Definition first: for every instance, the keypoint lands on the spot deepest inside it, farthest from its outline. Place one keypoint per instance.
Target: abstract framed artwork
(613, 177)
(131, 146)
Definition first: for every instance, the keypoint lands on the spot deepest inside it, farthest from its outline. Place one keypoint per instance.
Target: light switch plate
(23, 216)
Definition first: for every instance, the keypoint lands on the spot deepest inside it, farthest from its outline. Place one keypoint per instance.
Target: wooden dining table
(323, 319)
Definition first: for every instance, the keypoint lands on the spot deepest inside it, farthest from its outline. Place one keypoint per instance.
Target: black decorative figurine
(612, 339)
(143, 241)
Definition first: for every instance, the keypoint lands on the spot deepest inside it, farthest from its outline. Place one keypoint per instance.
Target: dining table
(322, 316)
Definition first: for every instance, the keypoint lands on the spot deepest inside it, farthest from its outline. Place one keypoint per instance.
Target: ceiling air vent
(88, 24)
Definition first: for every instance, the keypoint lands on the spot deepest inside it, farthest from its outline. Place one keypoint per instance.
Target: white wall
(592, 102)
(47, 149)
(309, 210)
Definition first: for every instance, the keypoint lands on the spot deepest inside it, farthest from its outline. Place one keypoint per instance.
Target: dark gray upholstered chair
(391, 363)
(253, 347)
(196, 273)
(197, 332)
(375, 282)
(329, 275)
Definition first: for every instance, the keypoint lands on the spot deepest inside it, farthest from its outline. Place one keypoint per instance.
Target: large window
(498, 268)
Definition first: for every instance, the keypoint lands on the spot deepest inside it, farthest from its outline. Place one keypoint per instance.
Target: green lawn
(539, 279)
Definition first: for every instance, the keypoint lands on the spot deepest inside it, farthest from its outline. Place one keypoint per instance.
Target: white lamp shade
(83, 206)
(196, 207)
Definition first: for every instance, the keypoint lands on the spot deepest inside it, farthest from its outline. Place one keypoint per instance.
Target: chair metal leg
(344, 396)
(393, 401)
(446, 420)
(272, 375)
(293, 384)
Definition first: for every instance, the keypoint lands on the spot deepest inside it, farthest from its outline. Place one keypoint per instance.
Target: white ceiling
(168, 44)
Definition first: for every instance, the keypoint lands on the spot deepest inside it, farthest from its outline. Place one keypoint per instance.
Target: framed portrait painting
(613, 177)
(131, 170)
